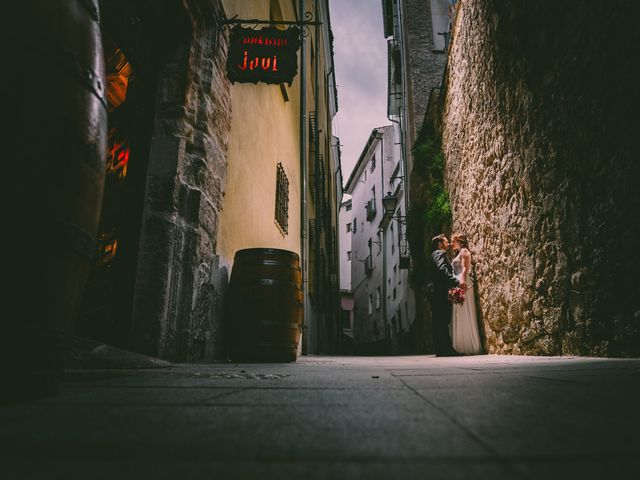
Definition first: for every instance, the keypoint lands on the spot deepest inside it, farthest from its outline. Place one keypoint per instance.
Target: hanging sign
(267, 55)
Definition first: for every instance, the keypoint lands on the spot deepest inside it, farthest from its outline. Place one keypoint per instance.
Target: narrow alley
(320, 239)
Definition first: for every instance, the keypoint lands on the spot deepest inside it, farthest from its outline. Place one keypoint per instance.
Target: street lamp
(389, 202)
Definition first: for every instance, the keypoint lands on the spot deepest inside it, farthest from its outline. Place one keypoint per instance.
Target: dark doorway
(135, 35)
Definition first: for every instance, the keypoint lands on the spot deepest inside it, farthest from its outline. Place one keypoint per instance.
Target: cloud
(361, 74)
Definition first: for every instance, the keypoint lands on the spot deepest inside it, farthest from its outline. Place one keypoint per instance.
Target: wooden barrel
(265, 306)
(54, 147)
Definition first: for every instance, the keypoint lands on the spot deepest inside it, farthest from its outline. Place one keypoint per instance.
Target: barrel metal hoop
(278, 264)
(92, 7)
(270, 282)
(59, 55)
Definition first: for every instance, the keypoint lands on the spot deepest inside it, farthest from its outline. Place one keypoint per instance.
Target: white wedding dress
(464, 324)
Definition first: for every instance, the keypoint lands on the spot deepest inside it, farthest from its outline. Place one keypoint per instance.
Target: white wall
(369, 288)
(345, 244)
(401, 307)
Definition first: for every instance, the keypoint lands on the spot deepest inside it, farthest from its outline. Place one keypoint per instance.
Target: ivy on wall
(430, 210)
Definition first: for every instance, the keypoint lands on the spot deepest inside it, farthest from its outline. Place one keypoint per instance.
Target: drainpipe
(320, 220)
(303, 180)
(402, 123)
(380, 136)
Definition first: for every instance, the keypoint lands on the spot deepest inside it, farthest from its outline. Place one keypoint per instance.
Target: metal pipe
(319, 289)
(402, 123)
(303, 178)
(383, 242)
(404, 118)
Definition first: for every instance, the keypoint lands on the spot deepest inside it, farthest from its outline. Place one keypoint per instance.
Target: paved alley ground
(420, 417)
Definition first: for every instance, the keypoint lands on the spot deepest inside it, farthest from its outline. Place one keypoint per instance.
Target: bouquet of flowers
(456, 295)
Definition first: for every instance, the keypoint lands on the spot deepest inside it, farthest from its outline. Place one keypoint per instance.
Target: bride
(464, 324)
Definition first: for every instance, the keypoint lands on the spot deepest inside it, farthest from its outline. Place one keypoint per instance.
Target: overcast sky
(361, 74)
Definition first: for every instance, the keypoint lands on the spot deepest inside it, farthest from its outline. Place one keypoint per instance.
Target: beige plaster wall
(264, 132)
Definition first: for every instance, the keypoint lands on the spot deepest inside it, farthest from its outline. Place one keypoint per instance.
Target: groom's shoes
(452, 353)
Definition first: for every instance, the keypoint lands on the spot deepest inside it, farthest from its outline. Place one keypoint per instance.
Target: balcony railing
(368, 265)
(370, 208)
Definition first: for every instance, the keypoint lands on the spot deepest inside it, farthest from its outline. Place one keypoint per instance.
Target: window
(346, 319)
(348, 227)
(348, 207)
(349, 256)
(373, 163)
(379, 242)
(370, 304)
(282, 199)
(355, 225)
(378, 298)
(387, 15)
(393, 241)
(406, 311)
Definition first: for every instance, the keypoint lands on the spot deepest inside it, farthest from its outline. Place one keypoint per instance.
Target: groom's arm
(444, 268)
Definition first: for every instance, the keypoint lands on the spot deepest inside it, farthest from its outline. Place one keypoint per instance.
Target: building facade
(345, 226)
(201, 167)
(383, 309)
(418, 36)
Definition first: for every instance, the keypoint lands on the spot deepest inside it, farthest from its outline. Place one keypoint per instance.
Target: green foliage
(430, 211)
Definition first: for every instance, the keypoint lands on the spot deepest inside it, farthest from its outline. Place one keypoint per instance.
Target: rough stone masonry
(542, 168)
(177, 307)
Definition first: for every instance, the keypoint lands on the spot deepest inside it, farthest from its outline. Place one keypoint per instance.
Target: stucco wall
(345, 244)
(264, 132)
(542, 170)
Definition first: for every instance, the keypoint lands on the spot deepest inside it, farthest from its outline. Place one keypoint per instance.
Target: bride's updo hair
(461, 239)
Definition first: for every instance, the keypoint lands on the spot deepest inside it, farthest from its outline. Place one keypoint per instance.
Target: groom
(441, 279)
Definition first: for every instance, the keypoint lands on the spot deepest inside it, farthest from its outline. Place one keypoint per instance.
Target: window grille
(282, 199)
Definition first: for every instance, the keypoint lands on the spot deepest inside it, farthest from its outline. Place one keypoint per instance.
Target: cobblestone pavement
(335, 417)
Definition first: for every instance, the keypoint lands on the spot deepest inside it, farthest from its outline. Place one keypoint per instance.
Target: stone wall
(542, 170)
(424, 70)
(177, 307)
(424, 64)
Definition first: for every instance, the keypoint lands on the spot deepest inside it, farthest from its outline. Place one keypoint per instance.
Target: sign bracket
(307, 22)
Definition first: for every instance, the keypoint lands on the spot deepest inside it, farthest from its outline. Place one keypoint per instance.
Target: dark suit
(441, 279)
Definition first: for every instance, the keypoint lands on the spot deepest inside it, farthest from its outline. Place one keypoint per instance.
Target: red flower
(456, 295)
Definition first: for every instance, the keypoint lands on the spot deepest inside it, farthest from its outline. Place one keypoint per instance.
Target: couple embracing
(455, 326)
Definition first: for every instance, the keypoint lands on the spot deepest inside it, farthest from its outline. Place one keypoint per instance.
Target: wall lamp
(389, 203)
